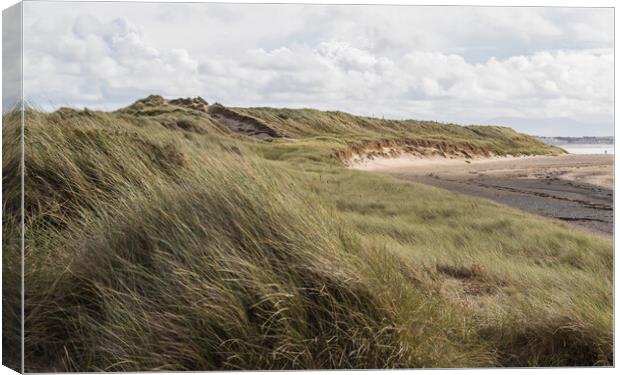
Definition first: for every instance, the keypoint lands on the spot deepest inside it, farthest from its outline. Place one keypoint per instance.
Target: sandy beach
(576, 189)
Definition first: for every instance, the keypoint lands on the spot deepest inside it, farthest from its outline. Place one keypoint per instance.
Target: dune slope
(159, 239)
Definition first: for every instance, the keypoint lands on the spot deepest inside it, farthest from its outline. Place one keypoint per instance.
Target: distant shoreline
(560, 140)
(588, 149)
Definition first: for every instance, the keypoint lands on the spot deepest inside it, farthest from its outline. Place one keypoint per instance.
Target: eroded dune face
(242, 124)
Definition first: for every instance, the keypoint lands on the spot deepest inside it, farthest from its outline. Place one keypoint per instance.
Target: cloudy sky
(546, 71)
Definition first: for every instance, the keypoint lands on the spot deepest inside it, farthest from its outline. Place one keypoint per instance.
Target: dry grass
(335, 130)
(150, 247)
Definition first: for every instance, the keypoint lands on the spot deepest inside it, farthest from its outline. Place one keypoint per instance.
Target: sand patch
(593, 175)
(421, 162)
(242, 124)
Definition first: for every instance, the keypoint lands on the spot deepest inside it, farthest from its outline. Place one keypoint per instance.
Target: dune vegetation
(157, 238)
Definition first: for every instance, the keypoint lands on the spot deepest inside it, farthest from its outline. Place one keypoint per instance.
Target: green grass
(338, 129)
(539, 291)
(159, 247)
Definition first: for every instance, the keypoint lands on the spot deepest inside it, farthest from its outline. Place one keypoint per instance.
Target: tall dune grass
(155, 248)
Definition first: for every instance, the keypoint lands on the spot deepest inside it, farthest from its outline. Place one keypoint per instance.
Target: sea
(588, 149)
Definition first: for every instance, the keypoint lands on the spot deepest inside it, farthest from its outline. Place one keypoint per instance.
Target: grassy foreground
(157, 240)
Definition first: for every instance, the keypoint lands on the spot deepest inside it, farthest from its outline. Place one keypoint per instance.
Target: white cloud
(11, 58)
(466, 65)
(91, 60)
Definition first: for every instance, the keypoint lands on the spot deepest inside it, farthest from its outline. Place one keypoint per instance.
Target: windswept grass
(152, 247)
(344, 128)
(539, 291)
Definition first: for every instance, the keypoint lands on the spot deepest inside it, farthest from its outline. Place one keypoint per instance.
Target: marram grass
(157, 240)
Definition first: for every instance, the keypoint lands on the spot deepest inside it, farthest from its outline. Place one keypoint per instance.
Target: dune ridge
(158, 238)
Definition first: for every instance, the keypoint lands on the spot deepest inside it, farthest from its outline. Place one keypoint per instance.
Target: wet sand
(576, 189)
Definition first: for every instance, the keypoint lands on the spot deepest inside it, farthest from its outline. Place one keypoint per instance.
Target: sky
(543, 71)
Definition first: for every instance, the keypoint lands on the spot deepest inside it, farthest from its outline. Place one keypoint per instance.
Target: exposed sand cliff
(367, 155)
